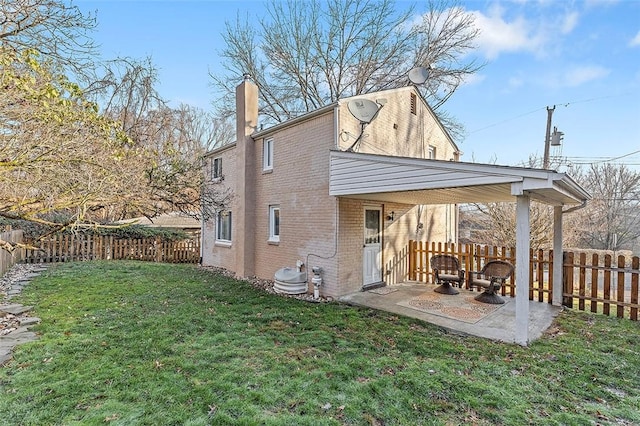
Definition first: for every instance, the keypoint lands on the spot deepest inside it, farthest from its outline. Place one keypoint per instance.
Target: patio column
(557, 256)
(523, 231)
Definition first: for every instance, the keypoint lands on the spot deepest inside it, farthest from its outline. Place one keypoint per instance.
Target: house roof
(343, 101)
(331, 108)
(422, 181)
(167, 220)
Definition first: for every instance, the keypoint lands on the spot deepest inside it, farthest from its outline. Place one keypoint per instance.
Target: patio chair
(446, 269)
(492, 276)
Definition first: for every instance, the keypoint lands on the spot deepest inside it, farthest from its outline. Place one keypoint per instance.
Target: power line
(597, 160)
(507, 120)
(622, 156)
(565, 104)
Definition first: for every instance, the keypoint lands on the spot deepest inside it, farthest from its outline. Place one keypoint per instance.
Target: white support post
(523, 231)
(557, 256)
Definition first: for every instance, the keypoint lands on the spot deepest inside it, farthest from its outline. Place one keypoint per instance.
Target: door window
(372, 227)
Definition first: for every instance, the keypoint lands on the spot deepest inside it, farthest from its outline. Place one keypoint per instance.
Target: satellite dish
(419, 75)
(363, 109)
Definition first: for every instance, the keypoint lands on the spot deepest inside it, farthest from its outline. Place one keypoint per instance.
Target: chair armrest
(471, 274)
(496, 282)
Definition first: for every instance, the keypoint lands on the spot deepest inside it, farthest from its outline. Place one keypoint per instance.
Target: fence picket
(548, 287)
(621, 284)
(607, 284)
(635, 265)
(595, 273)
(582, 277)
(567, 280)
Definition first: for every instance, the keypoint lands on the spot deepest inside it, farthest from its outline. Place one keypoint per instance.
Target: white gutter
(574, 208)
(293, 121)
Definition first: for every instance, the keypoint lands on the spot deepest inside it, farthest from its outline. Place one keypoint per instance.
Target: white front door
(372, 252)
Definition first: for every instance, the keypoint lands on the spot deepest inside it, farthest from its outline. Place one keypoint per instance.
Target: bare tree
(65, 162)
(175, 138)
(305, 55)
(611, 220)
(57, 153)
(58, 31)
(495, 224)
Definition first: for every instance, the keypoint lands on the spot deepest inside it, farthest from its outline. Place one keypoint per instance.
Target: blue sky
(581, 56)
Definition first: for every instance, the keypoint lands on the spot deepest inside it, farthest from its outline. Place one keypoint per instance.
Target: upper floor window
(432, 152)
(267, 154)
(216, 168)
(274, 223)
(223, 226)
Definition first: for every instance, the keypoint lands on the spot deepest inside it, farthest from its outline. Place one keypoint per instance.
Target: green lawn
(134, 343)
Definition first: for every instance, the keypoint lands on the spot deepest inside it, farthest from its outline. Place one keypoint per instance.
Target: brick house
(282, 210)
(344, 189)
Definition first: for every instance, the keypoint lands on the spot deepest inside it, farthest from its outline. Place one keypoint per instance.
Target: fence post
(412, 260)
(606, 308)
(635, 265)
(582, 280)
(158, 247)
(621, 284)
(567, 277)
(594, 281)
(468, 264)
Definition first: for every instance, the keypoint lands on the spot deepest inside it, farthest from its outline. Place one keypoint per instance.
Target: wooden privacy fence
(600, 285)
(592, 282)
(8, 259)
(69, 248)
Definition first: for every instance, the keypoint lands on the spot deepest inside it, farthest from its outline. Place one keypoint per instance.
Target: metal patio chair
(446, 269)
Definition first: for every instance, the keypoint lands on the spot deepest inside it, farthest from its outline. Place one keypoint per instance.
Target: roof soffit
(444, 182)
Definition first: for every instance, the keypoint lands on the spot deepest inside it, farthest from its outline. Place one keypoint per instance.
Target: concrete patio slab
(497, 323)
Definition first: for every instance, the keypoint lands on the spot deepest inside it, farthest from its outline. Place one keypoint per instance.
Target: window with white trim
(216, 168)
(267, 154)
(432, 152)
(223, 226)
(274, 223)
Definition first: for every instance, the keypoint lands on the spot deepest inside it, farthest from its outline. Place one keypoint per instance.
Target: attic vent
(414, 102)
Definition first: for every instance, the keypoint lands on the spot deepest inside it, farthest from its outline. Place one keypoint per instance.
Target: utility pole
(547, 140)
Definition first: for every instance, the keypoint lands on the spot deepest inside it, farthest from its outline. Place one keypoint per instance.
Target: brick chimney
(244, 220)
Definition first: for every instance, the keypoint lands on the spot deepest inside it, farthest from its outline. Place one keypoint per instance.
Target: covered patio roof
(422, 181)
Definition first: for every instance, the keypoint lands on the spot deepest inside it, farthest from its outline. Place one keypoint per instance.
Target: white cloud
(526, 32)
(498, 36)
(635, 41)
(569, 22)
(472, 79)
(583, 74)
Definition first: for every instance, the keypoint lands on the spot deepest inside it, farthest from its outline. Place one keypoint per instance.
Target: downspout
(336, 126)
(574, 208)
(317, 270)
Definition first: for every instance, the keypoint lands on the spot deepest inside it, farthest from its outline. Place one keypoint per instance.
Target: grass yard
(132, 343)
